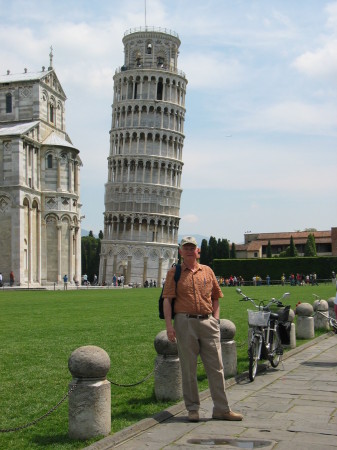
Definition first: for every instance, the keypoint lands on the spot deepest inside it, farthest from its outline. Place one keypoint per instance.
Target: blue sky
(261, 122)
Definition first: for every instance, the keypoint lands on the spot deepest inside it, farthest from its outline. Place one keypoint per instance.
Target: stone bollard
(167, 377)
(321, 322)
(90, 401)
(331, 304)
(305, 322)
(228, 347)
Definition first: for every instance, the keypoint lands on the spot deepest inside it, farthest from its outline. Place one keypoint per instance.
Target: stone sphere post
(321, 321)
(167, 376)
(305, 322)
(90, 401)
(228, 347)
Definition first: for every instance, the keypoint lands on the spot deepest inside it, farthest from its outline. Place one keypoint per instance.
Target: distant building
(40, 236)
(143, 191)
(256, 244)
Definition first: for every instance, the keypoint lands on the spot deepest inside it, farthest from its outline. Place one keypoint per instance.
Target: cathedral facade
(40, 233)
(143, 191)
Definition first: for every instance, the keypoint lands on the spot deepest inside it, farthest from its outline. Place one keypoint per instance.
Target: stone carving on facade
(4, 203)
(25, 91)
(51, 202)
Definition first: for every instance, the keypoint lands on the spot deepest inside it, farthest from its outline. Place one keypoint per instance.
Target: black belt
(198, 316)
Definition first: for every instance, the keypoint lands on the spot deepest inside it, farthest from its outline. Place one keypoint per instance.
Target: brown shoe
(193, 416)
(230, 415)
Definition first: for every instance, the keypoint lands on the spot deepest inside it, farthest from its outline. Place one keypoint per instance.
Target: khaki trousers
(194, 337)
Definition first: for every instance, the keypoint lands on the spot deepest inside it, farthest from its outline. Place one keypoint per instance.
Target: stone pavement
(291, 407)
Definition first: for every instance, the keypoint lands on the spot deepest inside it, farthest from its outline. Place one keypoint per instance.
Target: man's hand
(171, 334)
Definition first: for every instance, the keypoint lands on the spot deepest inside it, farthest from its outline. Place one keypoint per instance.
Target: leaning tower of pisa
(143, 191)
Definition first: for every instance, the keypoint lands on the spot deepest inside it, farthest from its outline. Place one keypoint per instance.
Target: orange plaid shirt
(195, 290)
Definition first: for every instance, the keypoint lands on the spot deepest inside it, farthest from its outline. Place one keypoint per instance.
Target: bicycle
(264, 335)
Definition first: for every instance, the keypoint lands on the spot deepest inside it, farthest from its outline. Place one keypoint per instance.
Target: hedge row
(275, 267)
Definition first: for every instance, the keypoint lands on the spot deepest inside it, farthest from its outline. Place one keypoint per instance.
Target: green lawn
(40, 329)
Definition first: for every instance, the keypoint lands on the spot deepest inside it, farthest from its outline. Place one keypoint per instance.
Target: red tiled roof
(295, 235)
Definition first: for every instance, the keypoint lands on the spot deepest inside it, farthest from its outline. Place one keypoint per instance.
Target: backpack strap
(177, 273)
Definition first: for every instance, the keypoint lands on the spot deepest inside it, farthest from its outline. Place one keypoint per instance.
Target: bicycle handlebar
(275, 301)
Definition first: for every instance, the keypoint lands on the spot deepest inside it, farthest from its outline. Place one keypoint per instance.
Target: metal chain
(331, 320)
(34, 422)
(133, 384)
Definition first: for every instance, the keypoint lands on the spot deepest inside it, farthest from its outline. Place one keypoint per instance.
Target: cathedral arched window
(9, 103)
(49, 161)
(51, 113)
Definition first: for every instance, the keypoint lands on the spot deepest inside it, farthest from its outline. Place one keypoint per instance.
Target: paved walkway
(292, 407)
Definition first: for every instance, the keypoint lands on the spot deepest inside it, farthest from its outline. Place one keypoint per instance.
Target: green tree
(269, 252)
(291, 251)
(90, 255)
(233, 251)
(212, 249)
(310, 246)
(222, 249)
(204, 258)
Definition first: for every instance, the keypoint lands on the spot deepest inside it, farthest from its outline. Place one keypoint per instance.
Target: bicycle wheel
(276, 349)
(253, 354)
(333, 323)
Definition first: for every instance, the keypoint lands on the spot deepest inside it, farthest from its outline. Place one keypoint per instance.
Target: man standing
(196, 329)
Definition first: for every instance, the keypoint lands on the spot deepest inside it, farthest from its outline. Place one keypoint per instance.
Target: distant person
(1, 284)
(65, 281)
(11, 278)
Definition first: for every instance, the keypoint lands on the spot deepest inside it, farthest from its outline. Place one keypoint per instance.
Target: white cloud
(319, 63)
(212, 71)
(331, 10)
(190, 218)
(294, 117)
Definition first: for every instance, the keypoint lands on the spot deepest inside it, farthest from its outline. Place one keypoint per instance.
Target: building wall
(40, 237)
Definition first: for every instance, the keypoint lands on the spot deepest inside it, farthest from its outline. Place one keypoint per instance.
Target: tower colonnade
(144, 142)
(149, 170)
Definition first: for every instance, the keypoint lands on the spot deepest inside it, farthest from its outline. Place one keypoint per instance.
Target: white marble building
(143, 191)
(40, 236)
